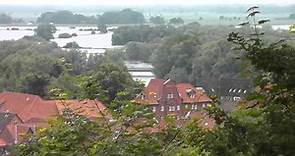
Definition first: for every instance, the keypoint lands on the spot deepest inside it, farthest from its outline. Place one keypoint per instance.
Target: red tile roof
(27, 106)
(90, 108)
(3, 143)
(184, 89)
(154, 91)
(34, 110)
(29, 111)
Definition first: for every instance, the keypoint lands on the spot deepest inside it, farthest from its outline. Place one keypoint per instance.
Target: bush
(64, 35)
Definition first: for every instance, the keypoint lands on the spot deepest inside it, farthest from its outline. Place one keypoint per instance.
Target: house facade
(12, 130)
(168, 98)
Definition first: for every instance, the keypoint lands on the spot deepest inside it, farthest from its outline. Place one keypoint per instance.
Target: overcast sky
(141, 2)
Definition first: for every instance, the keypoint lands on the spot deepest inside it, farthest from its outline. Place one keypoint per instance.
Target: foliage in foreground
(262, 125)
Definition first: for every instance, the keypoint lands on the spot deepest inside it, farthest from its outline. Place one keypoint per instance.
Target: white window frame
(196, 107)
(203, 105)
(142, 97)
(172, 108)
(154, 109)
(178, 107)
(162, 108)
(170, 96)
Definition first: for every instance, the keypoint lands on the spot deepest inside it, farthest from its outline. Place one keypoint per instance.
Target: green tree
(106, 82)
(45, 31)
(65, 17)
(176, 21)
(6, 19)
(102, 28)
(126, 16)
(138, 51)
(158, 20)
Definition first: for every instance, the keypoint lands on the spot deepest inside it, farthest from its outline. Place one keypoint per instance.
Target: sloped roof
(204, 120)
(199, 95)
(33, 109)
(27, 106)
(89, 108)
(152, 92)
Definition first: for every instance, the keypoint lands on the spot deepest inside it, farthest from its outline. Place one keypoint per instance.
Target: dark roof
(5, 119)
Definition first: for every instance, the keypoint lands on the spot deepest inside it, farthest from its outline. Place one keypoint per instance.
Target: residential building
(23, 113)
(180, 100)
(12, 130)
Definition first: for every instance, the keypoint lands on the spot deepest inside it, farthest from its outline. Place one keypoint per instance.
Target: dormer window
(190, 93)
(170, 96)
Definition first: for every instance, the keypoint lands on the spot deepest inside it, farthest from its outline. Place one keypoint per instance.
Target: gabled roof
(154, 91)
(34, 110)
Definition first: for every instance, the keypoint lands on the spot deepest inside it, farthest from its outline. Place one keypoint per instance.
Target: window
(196, 107)
(170, 96)
(154, 109)
(178, 107)
(142, 96)
(193, 107)
(204, 105)
(172, 108)
(186, 106)
(162, 108)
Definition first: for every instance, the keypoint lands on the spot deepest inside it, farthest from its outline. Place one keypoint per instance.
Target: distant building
(23, 113)
(12, 130)
(180, 100)
(140, 71)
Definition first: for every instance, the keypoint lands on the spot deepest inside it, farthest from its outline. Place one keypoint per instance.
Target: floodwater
(84, 38)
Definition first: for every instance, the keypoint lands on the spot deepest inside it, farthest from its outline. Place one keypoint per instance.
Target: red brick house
(22, 113)
(181, 100)
(33, 110)
(12, 130)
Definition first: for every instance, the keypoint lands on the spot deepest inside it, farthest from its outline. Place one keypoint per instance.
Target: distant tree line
(65, 17)
(198, 52)
(126, 16)
(6, 19)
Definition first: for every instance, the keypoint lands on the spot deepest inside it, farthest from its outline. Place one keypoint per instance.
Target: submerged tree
(46, 31)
